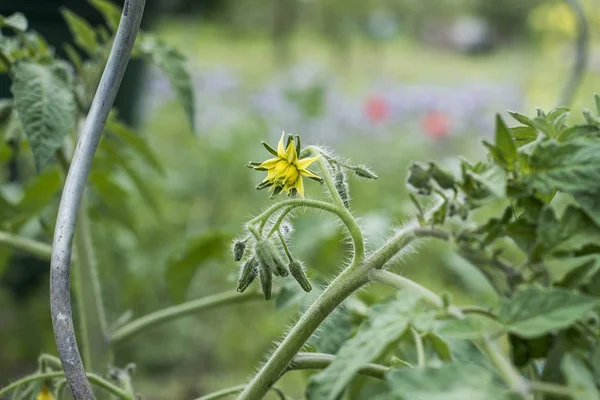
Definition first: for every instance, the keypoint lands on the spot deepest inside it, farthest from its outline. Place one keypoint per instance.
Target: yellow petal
(300, 186)
(290, 153)
(306, 162)
(280, 148)
(270, 163)
(308, 174)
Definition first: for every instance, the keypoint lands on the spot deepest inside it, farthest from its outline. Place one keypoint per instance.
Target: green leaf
(579, 132)
(521, 118)
(386, 324)
(523, 135)
(469, 327)
(439, 345)
(545, 126)
(173, 64)
(557, 115)
(333, 333)
(212, 245)
(110, 11)
(505, 143)
(134, 141)
(574, 231)
(450, 382)
(579, 378)
(44, 103)
(83, 33)
(535, 311)
(419, 178)
(16, 21)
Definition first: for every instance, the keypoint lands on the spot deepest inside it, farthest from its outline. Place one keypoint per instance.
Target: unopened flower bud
(342, 187)
(364, 172)
(267, 255)
(299, 275)
(248, 273)
(266, 280)
(418, 178)
(443, 178)
(239, 247)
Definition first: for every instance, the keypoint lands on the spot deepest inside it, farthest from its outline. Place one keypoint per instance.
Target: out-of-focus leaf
(112, 196)
(579, 378)
(44, 103)
(521, 118)
(134, 141)
(83, 33)
(504, 149)
(386, 324)
(579, 132)
(543, 125)
(450, 382)
(173, 64)
(212, 245)
(110, 11)
(470, 327)
(523, 135)
(439, 345)
(334, 332)
(16, 21)
(535, 311)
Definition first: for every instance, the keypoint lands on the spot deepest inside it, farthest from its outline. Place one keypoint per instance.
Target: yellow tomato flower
(45, 394)
(285, 171)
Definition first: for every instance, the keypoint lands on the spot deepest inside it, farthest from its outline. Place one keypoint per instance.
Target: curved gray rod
(60, 299)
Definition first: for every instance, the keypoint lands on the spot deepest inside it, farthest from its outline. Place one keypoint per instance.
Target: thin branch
(95, 379)
(507, 371)
(581, 55)
(559, 390)
(322, 361)
(38, 249)
(60, 299)
(181, 310)
(420, 349)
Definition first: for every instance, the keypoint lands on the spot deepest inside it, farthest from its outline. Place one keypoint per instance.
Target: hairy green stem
(38, 249)
(278, 222)
(181, 310)
(342, 213)
(95, 379)
(345, 284)
(507, 371)
(345, 215)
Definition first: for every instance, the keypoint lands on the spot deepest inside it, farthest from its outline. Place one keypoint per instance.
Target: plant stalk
(60, 299)
(38, 249)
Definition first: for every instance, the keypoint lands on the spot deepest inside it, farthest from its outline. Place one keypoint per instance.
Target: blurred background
(383, 82)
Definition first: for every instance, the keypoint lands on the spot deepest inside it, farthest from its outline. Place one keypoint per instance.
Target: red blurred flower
(377, 108)
(436, 125)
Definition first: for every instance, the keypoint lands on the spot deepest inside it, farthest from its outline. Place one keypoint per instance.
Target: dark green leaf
(579, 378)
(110, 11)
(505, 144)
(181, 268)
(16, 21)
(523, 135)
(419, 178)
(579, 132)
(450, 382)
(439, 345)
(521, 118)
(44, 103)
(535, 311)
(386, 324)
(173, 64)
(83, 33)
(334, 332)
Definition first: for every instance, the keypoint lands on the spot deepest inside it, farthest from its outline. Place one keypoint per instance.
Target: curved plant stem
(507, 371)
(95, 379)
(38, 249)
(552, 388)
(345, 284)
(279, 220)
(581, 55)
(60, 299)
(322, 361)
(420, 349)
(181, 310)
(233, 390)
(345, 215)
(304, 361)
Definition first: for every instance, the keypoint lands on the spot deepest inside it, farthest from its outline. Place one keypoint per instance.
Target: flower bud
(443, 178)
(239, 247)
(266, 280)
(248, 273)
(364, 172)
(299, 275)
(418, 178)
(342, 187)
(267, 255)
